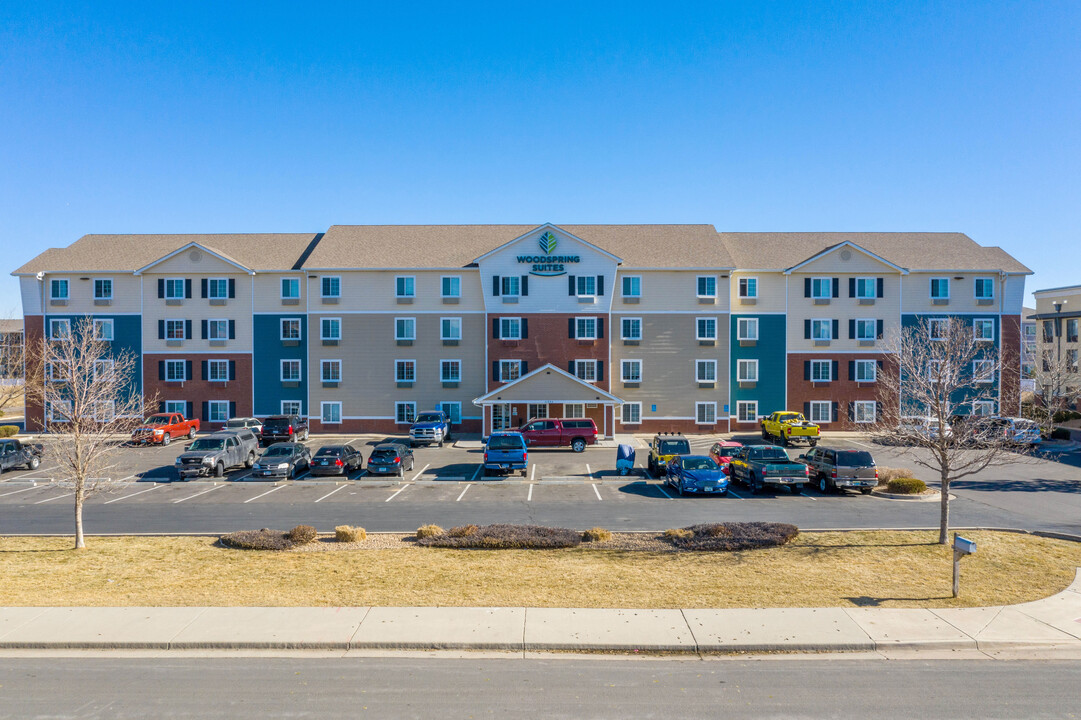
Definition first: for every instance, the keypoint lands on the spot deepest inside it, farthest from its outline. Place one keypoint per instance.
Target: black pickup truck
(15, 453)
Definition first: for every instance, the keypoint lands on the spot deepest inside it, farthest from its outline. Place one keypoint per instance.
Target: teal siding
(770, 351)
(961, 399)
(268, 352)
(127, 336)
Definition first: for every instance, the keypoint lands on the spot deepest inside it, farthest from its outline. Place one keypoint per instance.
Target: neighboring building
(640, 327)
(1058, 314)
(1028, 350)
(11, 342)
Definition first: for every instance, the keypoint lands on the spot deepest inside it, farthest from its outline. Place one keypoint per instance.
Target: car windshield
(157, 420)
(854, 458)
(277, 452)
(769, 453)
(675, 447)
(699, 464)
(207, 444)
(505, 442)
(332, 451)
(428, 417)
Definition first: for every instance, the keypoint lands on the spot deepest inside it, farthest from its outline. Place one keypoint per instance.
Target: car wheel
(401, 471)
(250, 461)
(33, 464)
(765, 435)
(166, 439)
(823, 486)
(578, 445)
(797, 488)
(784, 441)
(756, 486)
(865, 491)
(219, 470)
(813, 442)
(292, 437)
(191, 433)
(679, 489)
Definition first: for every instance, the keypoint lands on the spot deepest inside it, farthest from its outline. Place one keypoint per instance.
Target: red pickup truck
(557, 432)
(161, 428)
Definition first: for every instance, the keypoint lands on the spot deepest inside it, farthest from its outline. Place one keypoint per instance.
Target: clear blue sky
(290, 117)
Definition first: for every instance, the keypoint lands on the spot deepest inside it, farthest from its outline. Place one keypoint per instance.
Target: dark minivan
(284, 428)
(834, 470)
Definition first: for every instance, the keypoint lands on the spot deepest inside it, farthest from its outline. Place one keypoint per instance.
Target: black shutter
(600, 370)
(879, 327)
(495, 328)
(881, 289)
(879, 363)
(232, 409)
(232, 369)
(161, 406)
(232, 329)
(806, 329)
(570, 285)
(202, 287)
(161, 369)
(161, 287)
(836, 334)
(836, 283)
(878, 411)
(570, 328)
(525, 328)
(807, 410)
(206, 411)
(600, 328)
(851, 329)
(187, 370)
(851, 369)
(525, 286)
(190, 407)
(834, 414)
(806, 369)
(495, 286)
(806, 287)
(202, 327)
(232, 288)
(205, 369)
(835, 370)
(187, 329)
(495, 369)
(600, 284)
(570, 368)
(524, 367)
(187, 288)
(851, 287)
(161, 329)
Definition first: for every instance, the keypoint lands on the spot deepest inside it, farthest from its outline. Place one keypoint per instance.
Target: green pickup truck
(759, 466)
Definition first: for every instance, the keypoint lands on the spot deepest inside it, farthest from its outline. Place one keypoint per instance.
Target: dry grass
(890, 569)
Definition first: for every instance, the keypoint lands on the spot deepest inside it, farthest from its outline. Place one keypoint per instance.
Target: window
(331, 286)
(574, 410)
(330, 413)
(217, 370)
(290, 371)
(103, 289)
(747, 411)
(290, 288)
(707, 286)
(510, 328)
(821, 371)
(53, 374)
(405, 328)
(405, 371)
(59, 329)
(174, 330)
(983, 371)
(1071, 330)
(940, 288)
(290, 407)
(450, 370)
(175, 289)
(450, 328)
(330, 329)
(1048, 331)
(748, 287)
(747, 371)
(821, 411)
(821, 288)
(105, 411)
(60, 411)
(103, 329)
(217, 329)
(631, 371)
(453, 411)
(705, 413)
(984, 328)
(866, 288)
(103, 369)
(405, 286)
(451, 286)
(585, 328)
(537, 410)
(866, 370)
(510, 285)
(586, 370)
(330, 370)
(863, 411)
(935, 371)
(822, 329)
(1071, 360)
(632, 286)
(747, 328)
(985, 288)
(586, 285)
(705, 371)
(176, 406)
(217, 288)
(290, 329)
(632, 328)
(509, 370)
(937, 328)
(58, 289)
(176, 370)
(983, 407)
(405, 412)
(631, 413)
(865, 329)
(707, 328)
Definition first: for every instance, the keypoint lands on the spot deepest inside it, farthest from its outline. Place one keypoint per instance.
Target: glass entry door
(501, 417)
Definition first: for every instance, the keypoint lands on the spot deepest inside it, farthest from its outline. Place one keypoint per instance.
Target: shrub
(906, 486)
(462, 531)
(885, 474)
(1065, 416)
(597, 534)
(506, 537)
(264, 539)
(348, 533)
(8, 430)
(728, 537)
(302, 534)
(429, 531)
(1060, 434)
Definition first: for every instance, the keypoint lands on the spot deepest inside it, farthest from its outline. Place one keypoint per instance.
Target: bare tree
(90, 398)
(11, 370)
(1058, 384)
(933, 393)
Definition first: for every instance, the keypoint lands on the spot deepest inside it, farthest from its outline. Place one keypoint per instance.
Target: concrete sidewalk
(1051, 626)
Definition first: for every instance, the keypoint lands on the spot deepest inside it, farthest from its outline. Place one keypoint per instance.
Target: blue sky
(286, 117)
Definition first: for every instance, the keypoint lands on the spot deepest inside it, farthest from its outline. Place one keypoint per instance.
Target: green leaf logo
(548, 243)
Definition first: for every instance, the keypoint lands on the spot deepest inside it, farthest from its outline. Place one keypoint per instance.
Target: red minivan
(558, 432)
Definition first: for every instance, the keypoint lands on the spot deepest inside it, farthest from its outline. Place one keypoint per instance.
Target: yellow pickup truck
(789, 427)
(663, 448)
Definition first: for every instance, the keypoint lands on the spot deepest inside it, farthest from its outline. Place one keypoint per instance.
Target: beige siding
(916, 293)
(842, 309)
(374, 291)
(550, 387)
(196, 309)
(670, 291)
(81, 294)
(856, 263)
(268, 293)
(771, 293)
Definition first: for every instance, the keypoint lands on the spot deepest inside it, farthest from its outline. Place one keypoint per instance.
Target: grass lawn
(889, 569)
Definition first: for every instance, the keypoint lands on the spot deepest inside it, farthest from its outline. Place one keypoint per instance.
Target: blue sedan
(697, 474)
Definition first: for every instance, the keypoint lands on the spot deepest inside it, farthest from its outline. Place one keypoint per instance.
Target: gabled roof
(564, 378)
(839, 246)
(547, 226)
(174, 253)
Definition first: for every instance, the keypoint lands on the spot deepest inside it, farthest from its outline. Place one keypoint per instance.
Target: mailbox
(963, 546)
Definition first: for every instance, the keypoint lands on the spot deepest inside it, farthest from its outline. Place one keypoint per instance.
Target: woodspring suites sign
(548, 265)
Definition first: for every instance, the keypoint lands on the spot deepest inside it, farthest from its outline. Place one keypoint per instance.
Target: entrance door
(501, 417)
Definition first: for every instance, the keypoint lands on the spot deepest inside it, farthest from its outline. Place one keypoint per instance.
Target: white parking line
(598, 492)
(340, 487)
(55, 497)
(273, 489)
(476, 472)
(303, 475)
(125, 497)
(463, 493)
(803, 494)
(734, 494)
(403, 487)
(14, 492)
(414, 479)
(589, 470)
(661, 488)
(529, 498)
(533, 472)
(189, 497)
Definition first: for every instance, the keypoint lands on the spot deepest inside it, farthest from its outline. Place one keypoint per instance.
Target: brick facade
(548, 341)
(841, 390)
(196, 390)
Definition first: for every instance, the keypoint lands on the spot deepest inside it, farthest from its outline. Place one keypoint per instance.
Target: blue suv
(506, 452)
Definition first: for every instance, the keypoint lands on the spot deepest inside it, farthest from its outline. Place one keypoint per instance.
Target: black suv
(284, 428)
